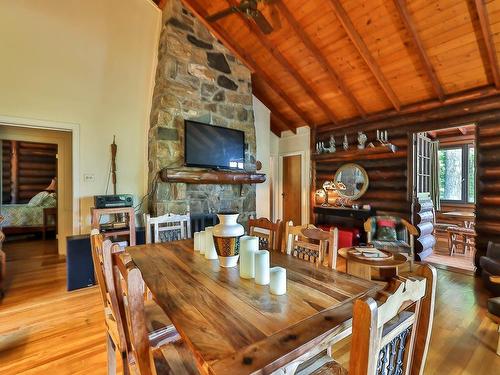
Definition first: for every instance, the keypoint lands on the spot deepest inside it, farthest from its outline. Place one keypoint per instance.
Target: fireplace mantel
(209, 176)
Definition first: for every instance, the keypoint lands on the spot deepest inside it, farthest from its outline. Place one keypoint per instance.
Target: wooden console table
(97, 213)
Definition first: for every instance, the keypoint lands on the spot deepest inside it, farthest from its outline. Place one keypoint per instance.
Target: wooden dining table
(234, 326)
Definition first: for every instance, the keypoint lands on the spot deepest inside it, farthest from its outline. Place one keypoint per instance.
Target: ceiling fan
(249, 9)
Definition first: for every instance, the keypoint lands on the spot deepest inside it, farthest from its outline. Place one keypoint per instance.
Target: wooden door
(292, 189)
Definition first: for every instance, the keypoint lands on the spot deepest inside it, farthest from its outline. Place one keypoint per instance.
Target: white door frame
(75, 151)
(304, 207)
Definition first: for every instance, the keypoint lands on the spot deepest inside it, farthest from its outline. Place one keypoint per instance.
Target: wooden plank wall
(27, 169)
(389, 173)
(488, 185)
(6, 171)
(387, 191)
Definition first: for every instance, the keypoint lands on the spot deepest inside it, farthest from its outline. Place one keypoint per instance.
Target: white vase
(227, 239)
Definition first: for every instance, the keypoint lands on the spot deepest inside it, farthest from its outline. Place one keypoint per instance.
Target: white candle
(248, 246)
(210, 252)
(197, 241)
(262, 267)
(277, 280)
(202, 242)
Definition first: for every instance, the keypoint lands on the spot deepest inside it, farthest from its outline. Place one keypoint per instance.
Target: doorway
(292, 189)
(454, 211)
(40, 154)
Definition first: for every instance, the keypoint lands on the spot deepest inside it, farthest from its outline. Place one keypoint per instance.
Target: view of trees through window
(457, 174)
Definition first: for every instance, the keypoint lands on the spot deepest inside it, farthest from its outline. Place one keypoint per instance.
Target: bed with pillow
(38, 215)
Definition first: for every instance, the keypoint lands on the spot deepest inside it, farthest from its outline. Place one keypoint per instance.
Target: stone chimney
(197, 78)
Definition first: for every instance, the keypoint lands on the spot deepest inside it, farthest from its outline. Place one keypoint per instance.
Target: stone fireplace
(197, 78)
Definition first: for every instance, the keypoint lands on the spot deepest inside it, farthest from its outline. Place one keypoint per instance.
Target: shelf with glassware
(368, 151)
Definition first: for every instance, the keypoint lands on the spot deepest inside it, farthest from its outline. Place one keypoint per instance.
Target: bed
(39, 215)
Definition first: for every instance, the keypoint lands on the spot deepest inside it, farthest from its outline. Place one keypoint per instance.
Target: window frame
(465, 174)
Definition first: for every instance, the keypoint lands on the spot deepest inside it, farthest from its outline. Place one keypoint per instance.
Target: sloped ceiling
(337, 61)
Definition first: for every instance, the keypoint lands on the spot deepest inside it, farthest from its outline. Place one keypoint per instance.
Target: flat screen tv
(213, 146)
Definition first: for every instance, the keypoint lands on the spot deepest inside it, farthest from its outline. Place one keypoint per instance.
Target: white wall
(90, 63)
(290, 144)
(267, 152)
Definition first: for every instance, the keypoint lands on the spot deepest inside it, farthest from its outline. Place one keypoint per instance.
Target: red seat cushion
(348, 237)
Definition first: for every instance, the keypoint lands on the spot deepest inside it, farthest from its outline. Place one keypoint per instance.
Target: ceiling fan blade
(223, 13)
(261, 21)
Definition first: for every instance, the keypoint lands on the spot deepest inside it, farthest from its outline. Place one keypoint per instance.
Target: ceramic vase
(227, 238)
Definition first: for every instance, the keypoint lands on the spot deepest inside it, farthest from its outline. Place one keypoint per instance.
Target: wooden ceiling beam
(484, 99)
(422, 54)
(319, 56)
(365, 52)
(462, 130)
(275, 129)
(277, 123)
(272, 48)
(493, 65)
(220, 33)
(274, 110)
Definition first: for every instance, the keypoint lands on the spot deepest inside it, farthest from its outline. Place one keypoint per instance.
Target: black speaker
(79, 265)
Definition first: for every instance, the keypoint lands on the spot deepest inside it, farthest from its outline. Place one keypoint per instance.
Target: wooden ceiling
(333, 62)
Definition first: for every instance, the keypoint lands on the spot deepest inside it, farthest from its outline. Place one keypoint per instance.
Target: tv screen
(213, 146)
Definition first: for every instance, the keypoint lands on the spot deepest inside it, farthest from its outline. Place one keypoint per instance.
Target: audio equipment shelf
(209, 176)
(97, 213)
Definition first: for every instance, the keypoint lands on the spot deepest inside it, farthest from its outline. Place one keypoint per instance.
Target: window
(457, 174)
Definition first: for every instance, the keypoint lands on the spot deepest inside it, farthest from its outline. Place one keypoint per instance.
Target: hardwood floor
(455, 262)
(46, 330)
(43, 328)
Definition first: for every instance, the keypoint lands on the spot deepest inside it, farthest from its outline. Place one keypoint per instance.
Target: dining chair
(269, 233)
(390, 335)
(168, 227)
(460, 237)
(312, 244)
(144, 358)
(159, 326)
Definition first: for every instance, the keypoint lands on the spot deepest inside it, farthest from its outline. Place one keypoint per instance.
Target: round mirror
(355, 179)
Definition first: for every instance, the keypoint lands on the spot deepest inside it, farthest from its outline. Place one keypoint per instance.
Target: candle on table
(197, 241)
(248, 246)
(277, 280)
(210, 252)
(262, 267)
(202, 242)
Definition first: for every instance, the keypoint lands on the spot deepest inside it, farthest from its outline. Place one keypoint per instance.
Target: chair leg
(498, 344)
(111, 356)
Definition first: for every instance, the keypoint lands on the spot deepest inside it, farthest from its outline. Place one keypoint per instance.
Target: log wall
(27, 169)
(390, 173)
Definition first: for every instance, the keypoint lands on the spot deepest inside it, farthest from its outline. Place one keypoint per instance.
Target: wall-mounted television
(212, 146)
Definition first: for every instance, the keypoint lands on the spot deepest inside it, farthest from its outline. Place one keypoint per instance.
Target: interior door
(422, 164)
(291, 194)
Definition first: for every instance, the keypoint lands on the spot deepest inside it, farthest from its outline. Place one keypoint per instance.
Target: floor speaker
(79, 264)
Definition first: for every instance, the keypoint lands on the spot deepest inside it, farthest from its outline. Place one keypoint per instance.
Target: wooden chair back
(269, 233)
(393, 337)
(133, 301)
(102, 255)
(168, 227)
(312, 244)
